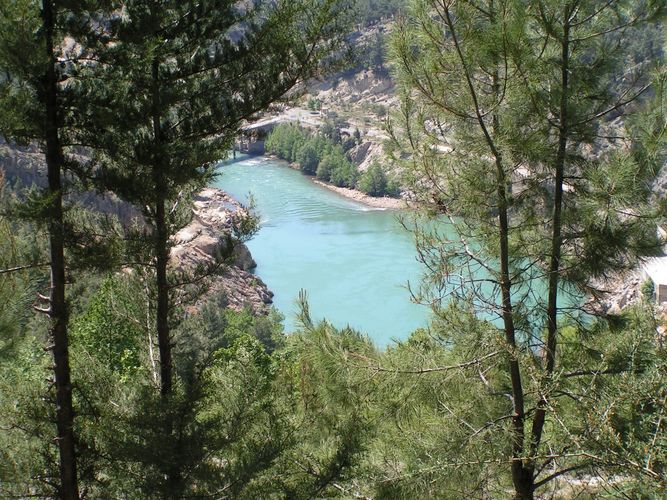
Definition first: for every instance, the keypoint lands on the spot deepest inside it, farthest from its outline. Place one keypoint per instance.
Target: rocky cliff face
(204, 240)
(23, 166)
(207, 238)
(367, 152)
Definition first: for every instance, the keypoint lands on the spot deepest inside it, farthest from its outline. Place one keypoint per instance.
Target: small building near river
(655, 269)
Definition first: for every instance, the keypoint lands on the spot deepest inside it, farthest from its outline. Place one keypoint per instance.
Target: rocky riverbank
(198, 244)
(207, 239)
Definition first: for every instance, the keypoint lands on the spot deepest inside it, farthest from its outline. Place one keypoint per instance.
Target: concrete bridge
(252, 137)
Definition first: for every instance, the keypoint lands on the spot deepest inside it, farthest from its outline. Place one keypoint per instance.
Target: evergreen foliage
(165, 128)
(321, 156)
(38, 102)
(506, 118)
(343, 173)
(285, 140)
(325, 167)
(156, 91)
(512, 389)
(308, 158)
(374, 182)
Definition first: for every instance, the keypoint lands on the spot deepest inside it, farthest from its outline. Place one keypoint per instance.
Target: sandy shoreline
(371, 201)
(352, 194)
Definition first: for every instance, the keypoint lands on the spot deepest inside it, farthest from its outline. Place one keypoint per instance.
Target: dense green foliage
(139, 99)
(323, 155)
(285, 141)
(374, 182)
(39, 104)
(317, 154)
(508, 121)
(512, 390)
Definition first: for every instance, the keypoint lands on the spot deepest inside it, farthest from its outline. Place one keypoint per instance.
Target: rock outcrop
(615, 293)
(366, 153)
(207, 239)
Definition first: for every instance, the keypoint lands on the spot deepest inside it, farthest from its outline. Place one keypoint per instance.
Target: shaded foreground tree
(246, 423)
(157, 90)
(166, 97)
(507, 112)
(179, 80)
(35, 106)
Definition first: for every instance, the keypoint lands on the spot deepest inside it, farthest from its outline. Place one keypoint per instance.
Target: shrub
(314, 104)
(344, 174)
(285, 141)
(324, 168)
(373, 181)
(308, 158)
(648, 289)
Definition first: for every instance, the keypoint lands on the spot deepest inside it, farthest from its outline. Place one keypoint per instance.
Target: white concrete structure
(656, 269)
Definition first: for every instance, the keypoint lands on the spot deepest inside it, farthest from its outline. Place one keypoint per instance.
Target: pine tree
(181, 79)
(166, 99)
(506, 118)
(38, 54)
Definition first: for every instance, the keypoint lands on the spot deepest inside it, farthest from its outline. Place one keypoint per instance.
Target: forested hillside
(535, 130)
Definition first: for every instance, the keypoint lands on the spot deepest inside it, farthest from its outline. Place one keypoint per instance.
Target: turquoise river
(353, 261)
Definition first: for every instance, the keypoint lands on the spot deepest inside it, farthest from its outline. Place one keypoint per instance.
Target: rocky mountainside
(360, 99)
(23, 166)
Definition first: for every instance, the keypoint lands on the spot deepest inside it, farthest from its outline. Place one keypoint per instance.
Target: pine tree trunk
(174, 478)
(162, 319)
(523, 484)
(556, 235)
(161, 245)
(58, 304)
(522, 477)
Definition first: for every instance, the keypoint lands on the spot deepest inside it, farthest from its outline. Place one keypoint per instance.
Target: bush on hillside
(325, 168)
(316, 155)
(344, 175)
(285, 141)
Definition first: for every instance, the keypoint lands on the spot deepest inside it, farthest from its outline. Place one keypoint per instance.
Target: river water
(353, 261)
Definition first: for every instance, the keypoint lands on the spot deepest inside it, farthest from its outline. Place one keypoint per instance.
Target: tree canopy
(529, 134)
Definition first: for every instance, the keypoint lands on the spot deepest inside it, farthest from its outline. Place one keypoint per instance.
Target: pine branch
(24, 267)
(459, 366)
(559, 473)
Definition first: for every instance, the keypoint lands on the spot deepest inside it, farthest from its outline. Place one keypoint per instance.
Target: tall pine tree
(39, 51)
(166, 99)
(506, 111)
(178, 81)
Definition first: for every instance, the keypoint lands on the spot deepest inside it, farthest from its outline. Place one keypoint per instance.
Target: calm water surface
(354, 261)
